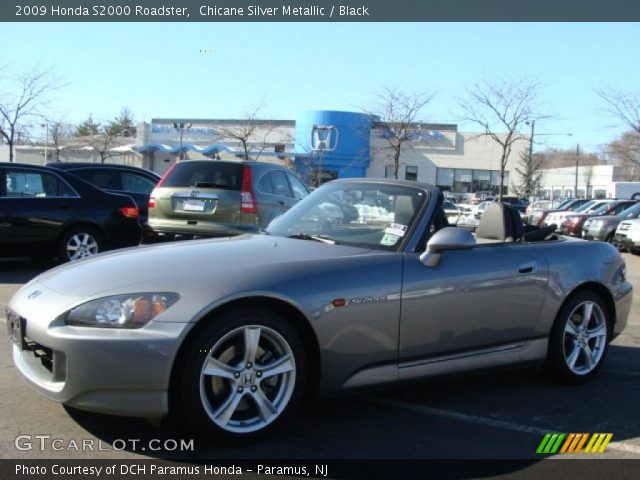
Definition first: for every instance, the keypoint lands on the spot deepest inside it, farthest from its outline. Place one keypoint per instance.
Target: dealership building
(336, 144)
(320, 143)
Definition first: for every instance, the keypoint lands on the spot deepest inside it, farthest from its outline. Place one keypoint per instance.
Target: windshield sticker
(389, 240)
(396, 229)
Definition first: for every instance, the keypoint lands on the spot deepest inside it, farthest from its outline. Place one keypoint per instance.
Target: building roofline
(224, 121)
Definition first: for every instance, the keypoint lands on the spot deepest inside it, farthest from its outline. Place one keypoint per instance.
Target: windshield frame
(416, 223)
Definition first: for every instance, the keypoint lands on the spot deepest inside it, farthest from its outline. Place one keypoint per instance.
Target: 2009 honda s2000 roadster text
(362, 283)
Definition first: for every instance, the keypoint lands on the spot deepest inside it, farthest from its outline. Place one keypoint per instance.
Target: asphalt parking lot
(499, 415)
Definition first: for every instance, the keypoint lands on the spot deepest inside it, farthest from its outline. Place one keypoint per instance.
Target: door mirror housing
(448, 238)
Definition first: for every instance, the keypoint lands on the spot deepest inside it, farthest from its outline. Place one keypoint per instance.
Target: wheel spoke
(85, 239)
(571, 328)
(226, 410)
(72, 248)
(216, 368)
(251, 341)
(588, 354)
(586, 313)
(281, 365)
(265, 407)
(573, 356)
(599, 331)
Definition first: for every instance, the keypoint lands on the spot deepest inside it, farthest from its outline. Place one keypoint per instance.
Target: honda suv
(208, 198)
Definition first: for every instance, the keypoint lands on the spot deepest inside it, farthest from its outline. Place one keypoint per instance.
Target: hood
(115, 270)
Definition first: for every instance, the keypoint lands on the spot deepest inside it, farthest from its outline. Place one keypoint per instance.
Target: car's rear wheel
(80, 242)
(580, 338)
(242, 376)
(609, 238)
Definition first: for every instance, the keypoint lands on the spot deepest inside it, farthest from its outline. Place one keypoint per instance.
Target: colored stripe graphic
(598, 442)
(574, 442)
(550, 443)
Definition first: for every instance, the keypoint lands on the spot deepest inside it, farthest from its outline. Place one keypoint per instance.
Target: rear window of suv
(207, 174)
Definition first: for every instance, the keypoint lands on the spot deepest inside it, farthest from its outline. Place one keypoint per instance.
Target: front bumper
(596, 234)
(123, 372)
(626, 242)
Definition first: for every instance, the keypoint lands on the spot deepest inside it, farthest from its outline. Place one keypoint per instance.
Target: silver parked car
(360, 284)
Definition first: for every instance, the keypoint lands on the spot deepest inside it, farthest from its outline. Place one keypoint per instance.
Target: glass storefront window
(388, 171)
(462, 181)
(411, 173)
(444, 177)
(481, 180)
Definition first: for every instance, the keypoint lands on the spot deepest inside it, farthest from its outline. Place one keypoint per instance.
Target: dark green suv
(208, 198)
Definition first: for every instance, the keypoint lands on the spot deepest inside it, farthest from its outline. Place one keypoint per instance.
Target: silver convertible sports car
(360, 284)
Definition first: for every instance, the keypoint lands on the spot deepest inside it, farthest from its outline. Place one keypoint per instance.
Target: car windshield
(586, 206)
(632, 212)
(564, 204)
(600, 209)
(368, 215)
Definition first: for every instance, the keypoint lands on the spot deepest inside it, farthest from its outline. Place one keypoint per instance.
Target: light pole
(181, 126)
(46, 140)
(575, 190)
(533, 124)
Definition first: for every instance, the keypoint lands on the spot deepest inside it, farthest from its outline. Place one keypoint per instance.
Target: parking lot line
(488, 422)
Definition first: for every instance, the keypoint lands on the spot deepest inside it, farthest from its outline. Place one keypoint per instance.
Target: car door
(474, 299)
(35, 206)
(275, 196)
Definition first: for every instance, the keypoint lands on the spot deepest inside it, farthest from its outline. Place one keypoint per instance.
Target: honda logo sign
(324, 138)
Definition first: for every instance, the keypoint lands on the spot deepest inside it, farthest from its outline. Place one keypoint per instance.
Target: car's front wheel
(580, 338)
(243, 375)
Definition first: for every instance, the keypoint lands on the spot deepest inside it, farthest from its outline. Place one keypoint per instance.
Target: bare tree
(103, 143)
(399, 112)
(530, 173)
(623, 105)
(625, 153)
(501, 108)
(60, 134)
(588, 178)
(24, 96)
(247, 131)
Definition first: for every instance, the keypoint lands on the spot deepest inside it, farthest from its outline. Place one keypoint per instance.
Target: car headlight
(121, 311)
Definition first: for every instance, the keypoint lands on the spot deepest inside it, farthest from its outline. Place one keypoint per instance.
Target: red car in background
(572, 224)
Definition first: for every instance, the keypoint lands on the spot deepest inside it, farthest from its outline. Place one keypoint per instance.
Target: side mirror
(448, 238)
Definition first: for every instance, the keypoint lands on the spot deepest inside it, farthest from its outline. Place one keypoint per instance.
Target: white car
(628, 235)
(558, 217)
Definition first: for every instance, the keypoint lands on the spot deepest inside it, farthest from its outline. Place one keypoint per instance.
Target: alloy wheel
(247, 379)
(81, 245)
(585, 336)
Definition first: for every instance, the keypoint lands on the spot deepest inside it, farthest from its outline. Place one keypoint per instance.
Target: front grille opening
(44, 354)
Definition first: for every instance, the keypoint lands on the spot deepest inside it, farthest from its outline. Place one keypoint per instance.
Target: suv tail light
(130, 212)
(152, 200)
(247, 199)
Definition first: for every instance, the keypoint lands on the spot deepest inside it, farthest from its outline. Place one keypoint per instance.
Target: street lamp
(46, 139)
(181, 126)
(533, 124)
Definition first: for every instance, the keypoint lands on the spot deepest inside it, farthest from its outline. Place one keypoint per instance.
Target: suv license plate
(193, 205)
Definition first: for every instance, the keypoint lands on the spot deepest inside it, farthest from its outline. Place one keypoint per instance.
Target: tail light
(130, 212)
(247, 199)
(152, 200)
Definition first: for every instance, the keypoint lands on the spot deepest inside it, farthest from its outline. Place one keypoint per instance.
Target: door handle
(280, 202)
(526, 268)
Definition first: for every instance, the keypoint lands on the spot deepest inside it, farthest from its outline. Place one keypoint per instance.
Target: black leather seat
(500, 223)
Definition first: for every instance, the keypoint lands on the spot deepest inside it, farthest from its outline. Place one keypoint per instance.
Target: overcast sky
(210, 70)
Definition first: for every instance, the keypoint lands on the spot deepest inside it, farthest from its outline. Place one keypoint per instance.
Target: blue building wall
(349, 149)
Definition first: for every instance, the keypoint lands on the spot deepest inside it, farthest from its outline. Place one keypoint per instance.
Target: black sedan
(45, 212)
(136, 182)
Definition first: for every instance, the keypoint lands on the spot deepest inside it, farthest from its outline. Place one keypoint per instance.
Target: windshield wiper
(317, 238)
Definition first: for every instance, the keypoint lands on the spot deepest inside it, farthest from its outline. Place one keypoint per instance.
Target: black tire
(75, 237)
(566, 339)
(609, 238)
(200, 399)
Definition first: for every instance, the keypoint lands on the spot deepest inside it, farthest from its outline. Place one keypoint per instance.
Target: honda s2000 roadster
(361, 284)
